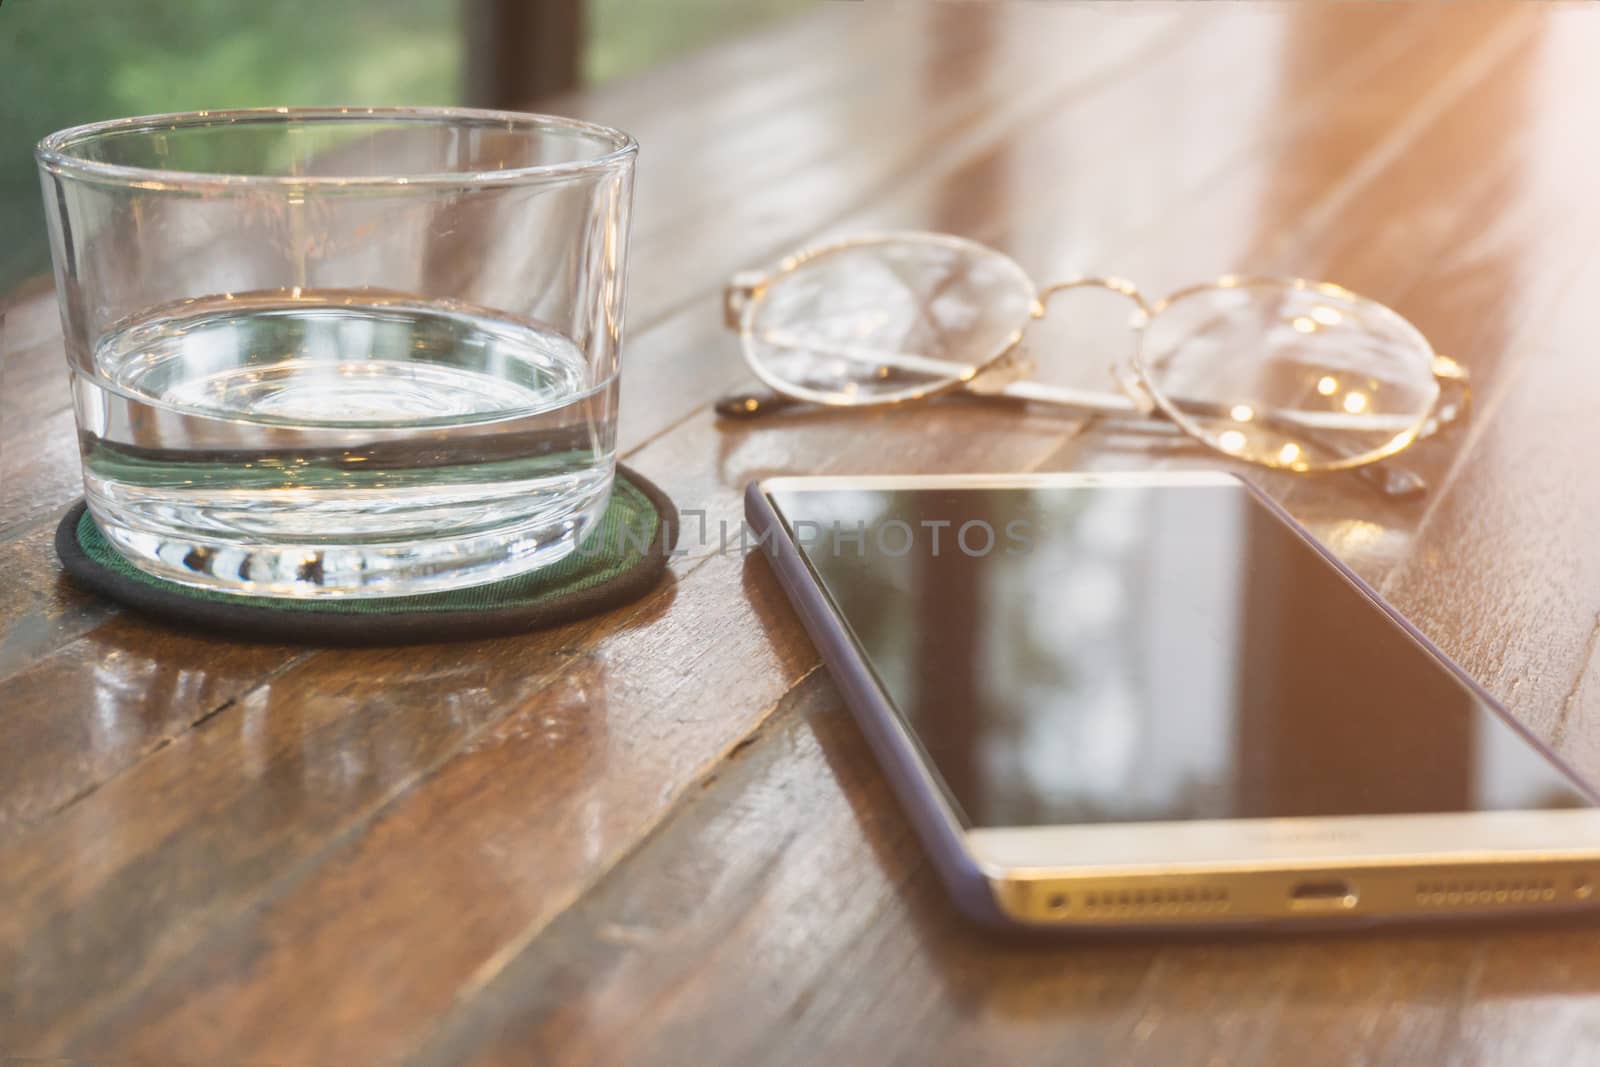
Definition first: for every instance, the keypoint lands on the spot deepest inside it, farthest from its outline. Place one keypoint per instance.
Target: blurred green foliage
(65, 62)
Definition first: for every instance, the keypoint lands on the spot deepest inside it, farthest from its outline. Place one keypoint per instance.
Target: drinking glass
(342, 352)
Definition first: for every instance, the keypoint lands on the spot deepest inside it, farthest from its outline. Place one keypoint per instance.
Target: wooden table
(656, 837)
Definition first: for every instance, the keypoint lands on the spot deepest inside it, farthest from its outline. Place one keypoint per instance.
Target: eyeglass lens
(877, 321)
(1295, 376)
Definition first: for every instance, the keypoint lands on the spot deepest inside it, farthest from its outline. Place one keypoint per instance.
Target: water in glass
(342, 437)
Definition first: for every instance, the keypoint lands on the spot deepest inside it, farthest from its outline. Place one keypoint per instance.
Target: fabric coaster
(617, 563)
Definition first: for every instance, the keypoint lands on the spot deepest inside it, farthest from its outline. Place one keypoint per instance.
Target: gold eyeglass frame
(1003, 374)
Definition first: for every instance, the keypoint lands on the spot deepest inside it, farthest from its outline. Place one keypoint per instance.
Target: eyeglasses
(1285, 373)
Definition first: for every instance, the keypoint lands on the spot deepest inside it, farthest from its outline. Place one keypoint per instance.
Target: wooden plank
(44, 990)
(1247, 1042)
(792, 873)
(1176, 1012)
(39, 471)
(1440, 559)
(641, 730)
(45, 615)
(372, 869)
(155, 689)
(41, 614)
(41, 611)
(38, 615)
(652, 947)
(612, 866)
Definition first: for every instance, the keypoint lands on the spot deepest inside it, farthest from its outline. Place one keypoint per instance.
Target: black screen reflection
(1137, 654)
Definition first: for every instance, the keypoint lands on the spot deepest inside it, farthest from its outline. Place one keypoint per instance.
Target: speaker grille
(1164, 900)
(1486, 891)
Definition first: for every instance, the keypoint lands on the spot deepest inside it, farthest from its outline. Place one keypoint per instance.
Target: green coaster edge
(619, 562)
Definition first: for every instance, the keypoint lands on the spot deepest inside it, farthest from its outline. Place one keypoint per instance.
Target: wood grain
(656, 837)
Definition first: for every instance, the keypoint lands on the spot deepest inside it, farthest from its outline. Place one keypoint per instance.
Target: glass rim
(56, 152)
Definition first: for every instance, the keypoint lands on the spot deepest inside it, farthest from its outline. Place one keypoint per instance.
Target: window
(67, 62)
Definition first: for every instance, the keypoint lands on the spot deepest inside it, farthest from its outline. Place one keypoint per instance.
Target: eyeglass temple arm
(1390, 478)
(751, 404)
(746, 285)
(1085, 401)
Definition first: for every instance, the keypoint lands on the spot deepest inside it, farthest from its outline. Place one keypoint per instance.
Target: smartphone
(1153, 700)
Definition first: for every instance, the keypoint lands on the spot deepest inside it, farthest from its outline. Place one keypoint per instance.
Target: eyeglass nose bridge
(1122, 371)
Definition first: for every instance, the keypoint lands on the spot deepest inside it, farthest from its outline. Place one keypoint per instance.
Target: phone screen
(1074, 655)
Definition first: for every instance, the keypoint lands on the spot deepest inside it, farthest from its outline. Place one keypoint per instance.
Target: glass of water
(342, 352)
